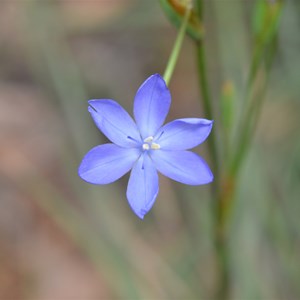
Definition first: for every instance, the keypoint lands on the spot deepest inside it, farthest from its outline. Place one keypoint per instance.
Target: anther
(149, 139)
(146, 147)
(155, 146)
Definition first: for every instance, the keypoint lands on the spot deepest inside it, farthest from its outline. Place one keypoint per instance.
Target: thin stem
(206, 99)
(222, 289)
(250, 121)
(225, 187)
(207, 107)
(265, 49)
(177, 46)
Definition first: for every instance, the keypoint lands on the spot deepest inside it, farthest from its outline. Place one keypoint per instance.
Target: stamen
(155, 146)
(148, 144)
(149, 139)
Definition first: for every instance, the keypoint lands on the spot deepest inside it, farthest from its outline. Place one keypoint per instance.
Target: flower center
(149, 144)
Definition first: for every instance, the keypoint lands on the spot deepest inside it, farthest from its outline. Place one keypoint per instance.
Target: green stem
(207, 101)
(223, 284)
(177, 46)
(264, 51)
(207, 107)
(250, 122)
(225, 187)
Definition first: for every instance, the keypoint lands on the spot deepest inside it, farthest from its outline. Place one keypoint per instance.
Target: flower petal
(151, 105)
(183, 134)
(115, 123)
(183, 166)
(142, 186)
(106, 163)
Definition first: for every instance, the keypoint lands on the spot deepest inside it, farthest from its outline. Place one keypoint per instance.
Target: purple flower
(145, 146)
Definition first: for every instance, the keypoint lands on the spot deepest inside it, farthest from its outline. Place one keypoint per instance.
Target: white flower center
(149, 144)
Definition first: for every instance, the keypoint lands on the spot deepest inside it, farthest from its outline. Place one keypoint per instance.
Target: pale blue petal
(183, 166)
(151, 105)
(107, 163)
(142, 187)
(115, 123)
(183, 134)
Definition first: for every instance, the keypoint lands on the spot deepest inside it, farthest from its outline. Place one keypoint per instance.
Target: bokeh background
(61, 238)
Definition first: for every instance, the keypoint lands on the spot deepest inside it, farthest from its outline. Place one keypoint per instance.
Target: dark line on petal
(160, 135)
(132, 139)
(93, 108)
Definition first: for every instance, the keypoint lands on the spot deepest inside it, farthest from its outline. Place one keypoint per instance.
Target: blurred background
(61, 238)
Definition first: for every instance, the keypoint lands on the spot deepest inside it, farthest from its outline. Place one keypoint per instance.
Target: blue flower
(145, 146)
